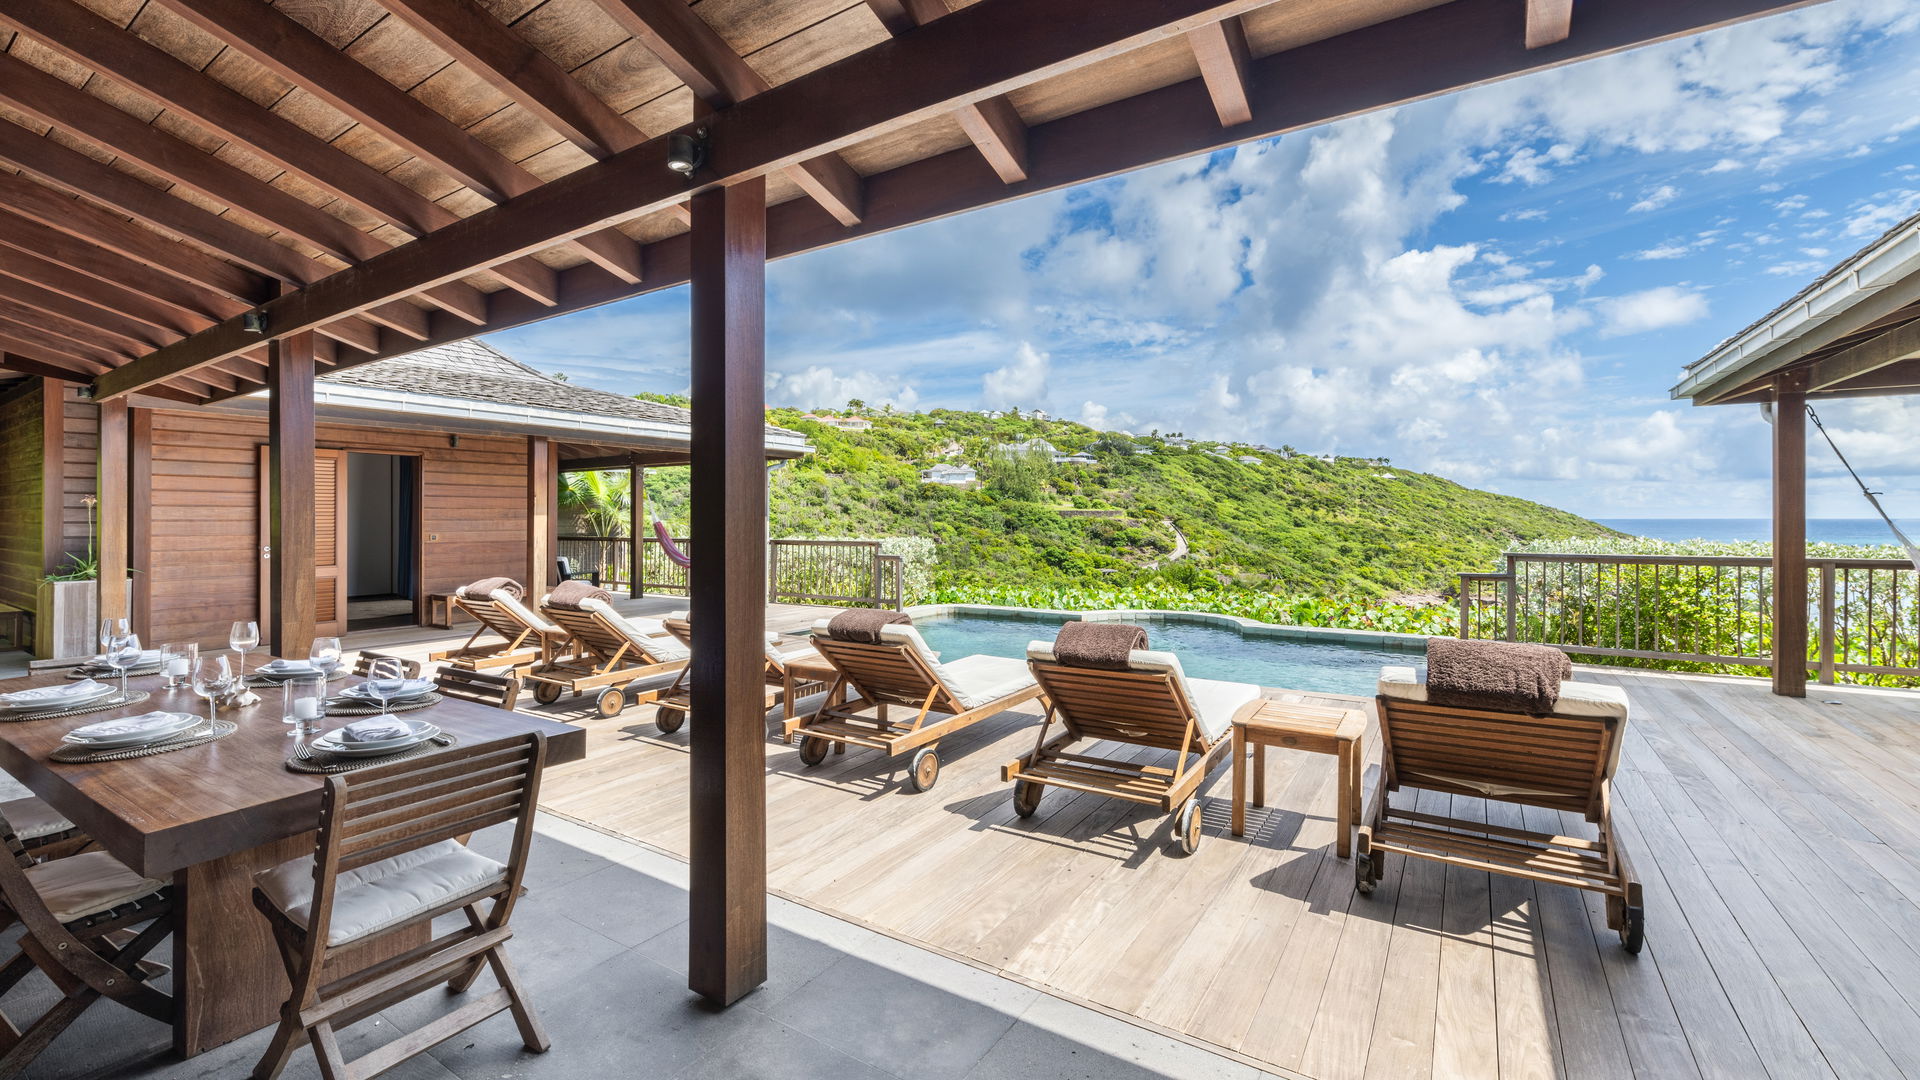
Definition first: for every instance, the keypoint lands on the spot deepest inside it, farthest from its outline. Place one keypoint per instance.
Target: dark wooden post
(543, 545)
(115, 510)
(289, 622)
(636, 520)
(728, 589)
(53, 477)
(1790, 534)
(140, 527)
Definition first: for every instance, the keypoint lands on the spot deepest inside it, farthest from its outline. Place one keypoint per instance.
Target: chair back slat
(888, 672)
(496, 617)
(1557, 762)
(365, 661)
(480, 687)
(1143, 708)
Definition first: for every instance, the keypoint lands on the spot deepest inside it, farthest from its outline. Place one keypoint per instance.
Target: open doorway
(382, 541)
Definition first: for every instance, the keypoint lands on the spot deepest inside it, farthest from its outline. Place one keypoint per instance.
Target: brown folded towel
(572, 594)
(1501, 675)
(1103, 645)
(862, 625)
(485, 587)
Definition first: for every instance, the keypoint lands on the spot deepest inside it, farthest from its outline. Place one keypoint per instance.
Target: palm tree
(601, 502)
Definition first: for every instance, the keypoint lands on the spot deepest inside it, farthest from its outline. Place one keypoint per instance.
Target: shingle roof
(476, 371)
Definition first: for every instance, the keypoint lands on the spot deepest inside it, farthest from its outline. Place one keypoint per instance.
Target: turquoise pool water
(1206, 652)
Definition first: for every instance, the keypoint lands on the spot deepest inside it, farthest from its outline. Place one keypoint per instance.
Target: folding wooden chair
(1152, 704)
(364, 664)
(386, 860)
(902, 671)
(605, 651)
(79, 915)
(1561, 761)
(523, 635)
(479, 687)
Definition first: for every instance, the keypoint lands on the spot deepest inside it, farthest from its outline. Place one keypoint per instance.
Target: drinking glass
(325, 653)
(212, 677)
(306, 703)
(123, 652)
(176, 662)
(385, 679)
(110, 629)
(241, 638)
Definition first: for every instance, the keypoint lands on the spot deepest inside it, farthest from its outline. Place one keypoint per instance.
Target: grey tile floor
(601, 940)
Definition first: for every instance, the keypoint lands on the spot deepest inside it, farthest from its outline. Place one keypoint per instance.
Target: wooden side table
(1318, 729)
(440, 610)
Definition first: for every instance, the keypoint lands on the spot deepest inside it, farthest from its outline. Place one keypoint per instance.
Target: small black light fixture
(689, 152)
(254, 322)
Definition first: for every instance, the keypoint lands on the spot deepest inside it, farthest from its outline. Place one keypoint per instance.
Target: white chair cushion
(663, 649)
(383, 894)
(1215, 703)
(32, 818)
(87, 884)
(795, 655)
(981, 679)
(525, 614)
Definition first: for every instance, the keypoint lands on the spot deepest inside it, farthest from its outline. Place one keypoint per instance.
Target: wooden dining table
(212, 816)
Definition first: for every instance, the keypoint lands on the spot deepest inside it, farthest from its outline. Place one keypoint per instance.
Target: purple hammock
(667, 545)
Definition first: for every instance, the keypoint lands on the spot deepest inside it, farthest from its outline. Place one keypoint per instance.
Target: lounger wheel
(924, 769)
(1633, 931)
(1188, 827)
(669, 718)
(611, 701)
(813, 749)
(546, 693)
(1026, 797)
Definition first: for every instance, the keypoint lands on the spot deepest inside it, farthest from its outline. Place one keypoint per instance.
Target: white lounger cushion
(1214, 702)
(797, 654)
(87, 884)
(525, 614)
(663, 649)
(32, 818)
(975, 680)
(383, 894)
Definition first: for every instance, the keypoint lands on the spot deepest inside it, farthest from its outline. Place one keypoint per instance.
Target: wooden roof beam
(27, 365)
(1549, 22)
(73, 284)
(137, 336)
(304, 58)
(720, 77)
(993, 125)
(1849, 365)
(1221, 49)
(114, 268)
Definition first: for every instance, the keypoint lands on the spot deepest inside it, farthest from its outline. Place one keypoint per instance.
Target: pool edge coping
(1247, 628)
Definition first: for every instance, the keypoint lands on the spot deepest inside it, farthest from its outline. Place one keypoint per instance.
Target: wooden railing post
(1790, 534)
(1513, 592)
(1826, 614)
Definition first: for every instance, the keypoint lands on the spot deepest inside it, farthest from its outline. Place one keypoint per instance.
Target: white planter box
(68, 621)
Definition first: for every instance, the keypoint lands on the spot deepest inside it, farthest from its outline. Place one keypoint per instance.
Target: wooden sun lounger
(784, 686)
(521, 643)
(878, 677)
(1561, 761)
(598, 654)
(1151, 708)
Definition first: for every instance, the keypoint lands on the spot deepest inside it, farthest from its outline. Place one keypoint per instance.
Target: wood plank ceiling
(179, 176)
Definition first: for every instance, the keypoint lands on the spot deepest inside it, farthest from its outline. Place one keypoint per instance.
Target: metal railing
(844, 573)
(1864, 613)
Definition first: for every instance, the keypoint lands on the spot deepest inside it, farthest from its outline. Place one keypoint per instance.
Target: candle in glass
(176, 662)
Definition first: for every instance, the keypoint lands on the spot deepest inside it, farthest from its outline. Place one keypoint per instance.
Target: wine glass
(241, 638)
(110, 629)
(325, 654)
(176, 661)
(212, 677)
(385, 680)
(123, 652)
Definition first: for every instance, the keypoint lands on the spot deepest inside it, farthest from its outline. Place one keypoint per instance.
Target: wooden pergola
(207, 197)
(1852, 332)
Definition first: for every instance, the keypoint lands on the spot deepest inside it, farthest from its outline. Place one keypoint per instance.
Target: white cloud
(1655, 199)
(1662, 251)
(1650, 309)
(819, 387)
(1021, 384)
(1100, 418)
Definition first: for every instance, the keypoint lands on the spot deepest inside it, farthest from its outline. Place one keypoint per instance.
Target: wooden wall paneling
(140, 524)
(53, 475)
(80, 443)
(541, 497)
(1790, 534)
(27, 474)
(115, 510)
(727, 940)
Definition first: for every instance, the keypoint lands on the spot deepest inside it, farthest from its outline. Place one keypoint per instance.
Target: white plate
(412, 689)
(181, 722)
(332, 743)
(61, 701)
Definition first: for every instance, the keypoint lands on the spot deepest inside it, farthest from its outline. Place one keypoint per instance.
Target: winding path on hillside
(1179, 542)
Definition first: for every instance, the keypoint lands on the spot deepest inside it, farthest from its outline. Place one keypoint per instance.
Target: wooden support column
(636, 520)
(1790, 534)
(53, 476)
(727, 583)
(140, 526)
(293, 604)
(115, 510)
(543, 494)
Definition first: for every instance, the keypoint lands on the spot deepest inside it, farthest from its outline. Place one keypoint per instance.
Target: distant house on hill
(993, 414)
(1247, 459)
(844, 423)
(1219, 451)
(1178, 443)
(1081, 458)
(951, 449)
(1038, 414)
(1031, 446)
(950, 475)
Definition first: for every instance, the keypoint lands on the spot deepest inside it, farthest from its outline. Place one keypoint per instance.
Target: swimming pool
(1206, 650)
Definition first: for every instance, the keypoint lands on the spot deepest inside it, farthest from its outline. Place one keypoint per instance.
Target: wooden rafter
(27, 365)
(1549, 22)
(112, 267)
(1851, 365)
(994, 125)
(1221, 49)
(720, 77)
(130, 302)
(302, 57)
(138, 336)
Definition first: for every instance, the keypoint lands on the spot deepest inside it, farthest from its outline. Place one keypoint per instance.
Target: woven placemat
(111, 701)
(198, 735)
(306, 759)
(86, 671)
(349, 707)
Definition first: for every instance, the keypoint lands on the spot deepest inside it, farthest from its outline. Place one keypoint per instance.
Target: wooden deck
(1780, 841)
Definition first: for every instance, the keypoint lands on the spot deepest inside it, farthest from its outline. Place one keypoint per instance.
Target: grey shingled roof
(476, 371)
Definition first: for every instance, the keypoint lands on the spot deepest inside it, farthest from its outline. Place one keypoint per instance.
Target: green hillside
(1295, 526)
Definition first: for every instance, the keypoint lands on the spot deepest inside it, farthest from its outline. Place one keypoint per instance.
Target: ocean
(1819, 530)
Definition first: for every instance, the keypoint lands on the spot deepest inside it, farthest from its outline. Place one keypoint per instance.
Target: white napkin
(59, 692)
(378, 729)
(148, 658)
(289, 667)
(127, 725)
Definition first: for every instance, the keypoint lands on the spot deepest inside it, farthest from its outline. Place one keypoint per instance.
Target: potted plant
(68, 603)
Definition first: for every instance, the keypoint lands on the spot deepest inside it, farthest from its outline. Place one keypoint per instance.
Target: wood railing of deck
(1713, 610)
(841, 573)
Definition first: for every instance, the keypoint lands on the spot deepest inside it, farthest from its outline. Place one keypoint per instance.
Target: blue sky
(1498, 286)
